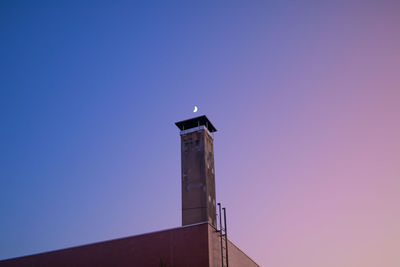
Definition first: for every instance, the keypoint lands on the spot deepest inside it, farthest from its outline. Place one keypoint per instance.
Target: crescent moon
(195, 109)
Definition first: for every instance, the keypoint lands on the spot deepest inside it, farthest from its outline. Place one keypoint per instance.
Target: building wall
(198, 178)
(191, 246)
(185, 246)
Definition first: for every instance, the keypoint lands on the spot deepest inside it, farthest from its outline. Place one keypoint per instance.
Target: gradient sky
(305, 96)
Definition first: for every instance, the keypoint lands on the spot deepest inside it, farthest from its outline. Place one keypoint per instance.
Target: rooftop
(195, 122)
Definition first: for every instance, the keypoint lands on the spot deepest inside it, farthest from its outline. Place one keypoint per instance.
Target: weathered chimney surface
(198, 177)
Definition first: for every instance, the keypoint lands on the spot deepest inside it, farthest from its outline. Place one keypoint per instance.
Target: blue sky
(304, 96)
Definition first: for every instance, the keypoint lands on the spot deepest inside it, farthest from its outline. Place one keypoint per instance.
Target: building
(202, 239)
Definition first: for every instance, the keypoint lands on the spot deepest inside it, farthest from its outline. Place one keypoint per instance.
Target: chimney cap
(195, 122)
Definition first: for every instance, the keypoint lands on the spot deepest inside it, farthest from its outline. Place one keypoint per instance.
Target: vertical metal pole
(226, 238)
(220, 233)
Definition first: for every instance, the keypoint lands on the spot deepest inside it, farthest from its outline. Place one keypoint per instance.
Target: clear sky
(305, 96)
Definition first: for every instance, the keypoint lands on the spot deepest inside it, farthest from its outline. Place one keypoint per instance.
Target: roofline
(104, 241)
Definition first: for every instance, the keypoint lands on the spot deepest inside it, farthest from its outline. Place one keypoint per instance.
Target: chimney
(198, 178)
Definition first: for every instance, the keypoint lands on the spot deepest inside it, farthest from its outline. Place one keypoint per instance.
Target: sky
(305, 96)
